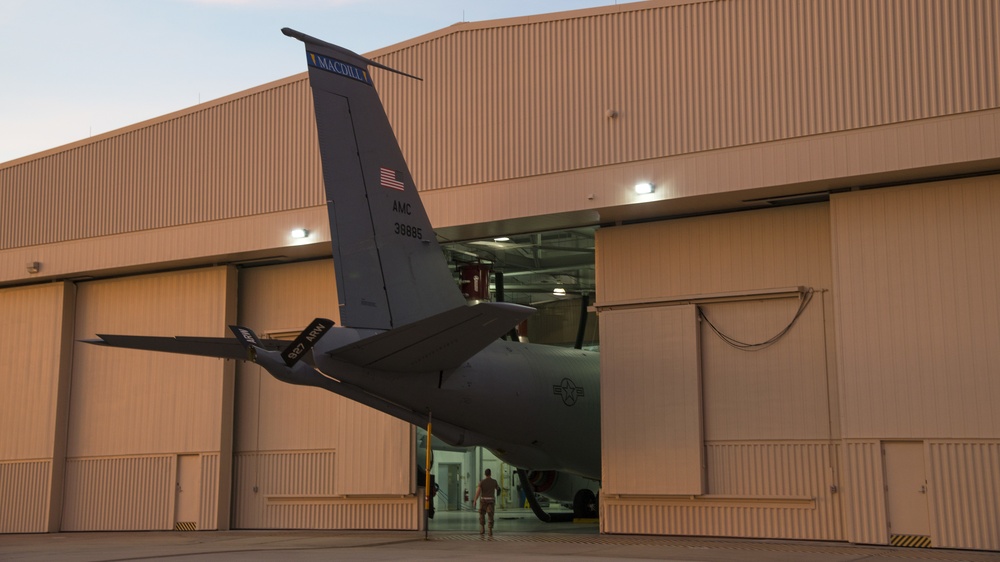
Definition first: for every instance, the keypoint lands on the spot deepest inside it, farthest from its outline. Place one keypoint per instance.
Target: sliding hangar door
(701, 436)
(864, 413)
(305, 457)
(132, 440)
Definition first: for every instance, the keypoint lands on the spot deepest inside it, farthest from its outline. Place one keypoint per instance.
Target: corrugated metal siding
(755, 250)
(209, 494)
(127, 402)
(721, 179)
(964, 494)
(651, 407)
(528, 97)
(918, 311)
(789, 519)
(781, 392)
(758, 481)
(170, 248)
(864, 493)
(374, 451)
(32, 320)
(24, 496)
(272, 414)
(120, 494)
(252, 153)
(257, 476)
(781, 470)
(298, 490)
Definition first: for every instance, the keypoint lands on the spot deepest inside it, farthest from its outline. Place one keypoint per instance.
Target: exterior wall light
(502, 239)
(300, 233)
(559, 292)
(643, 188)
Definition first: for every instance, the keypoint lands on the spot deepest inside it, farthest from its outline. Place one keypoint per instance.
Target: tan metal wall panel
(918, 312)
(771, 436)
(36, 343)
(782, 470)
(684, 78)
(173, 248)
(208, 514)
(781, 392)
(140, 402)
(120, 494)
(775, 489)
(30, 347)
(964, 494)
(24, 496)
(528, 97)
(298, 490)
(651, 407)
(864, 493)
(374, 452)
(260, 476)
(251, 153)
(701, 182)
(748, 251)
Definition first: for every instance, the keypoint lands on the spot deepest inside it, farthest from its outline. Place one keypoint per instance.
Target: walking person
(486, 490)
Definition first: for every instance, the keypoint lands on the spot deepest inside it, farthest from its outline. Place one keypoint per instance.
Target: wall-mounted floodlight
(559, 292)
(643, 188)
(300, 233)
(502, 239)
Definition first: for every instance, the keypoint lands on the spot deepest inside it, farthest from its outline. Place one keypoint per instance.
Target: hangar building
(799, 326)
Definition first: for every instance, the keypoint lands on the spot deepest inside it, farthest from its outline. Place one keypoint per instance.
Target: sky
(71, 69)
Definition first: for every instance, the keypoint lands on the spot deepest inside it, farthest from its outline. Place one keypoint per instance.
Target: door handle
(923, 489)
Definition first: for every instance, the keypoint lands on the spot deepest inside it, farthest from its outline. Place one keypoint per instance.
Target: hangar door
(763, 461)
(133, 413)
(651, 420)
(305, 458)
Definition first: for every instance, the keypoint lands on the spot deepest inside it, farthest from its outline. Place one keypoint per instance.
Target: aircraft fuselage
(472, 405)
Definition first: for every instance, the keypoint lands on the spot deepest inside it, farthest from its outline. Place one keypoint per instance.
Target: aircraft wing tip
(99, 340)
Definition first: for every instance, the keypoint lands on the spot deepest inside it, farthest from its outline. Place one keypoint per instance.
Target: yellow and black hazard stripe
(185, 526)
(911, 541)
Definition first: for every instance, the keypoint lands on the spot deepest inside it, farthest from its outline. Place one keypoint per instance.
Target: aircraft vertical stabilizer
(390, 268)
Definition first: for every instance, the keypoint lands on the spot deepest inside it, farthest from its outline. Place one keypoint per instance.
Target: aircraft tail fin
(390, 269)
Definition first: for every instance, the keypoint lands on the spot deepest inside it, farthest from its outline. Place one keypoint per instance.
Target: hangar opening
(552, 271)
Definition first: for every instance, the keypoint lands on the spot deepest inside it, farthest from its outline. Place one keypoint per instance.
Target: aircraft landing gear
(585, 505)
(533, 502)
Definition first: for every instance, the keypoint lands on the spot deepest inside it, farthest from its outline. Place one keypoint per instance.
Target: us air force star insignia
(569, 391)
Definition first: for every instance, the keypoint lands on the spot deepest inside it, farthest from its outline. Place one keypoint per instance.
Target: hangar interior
(798, 325)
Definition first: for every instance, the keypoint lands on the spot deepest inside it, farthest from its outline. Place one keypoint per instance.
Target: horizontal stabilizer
(226, 348)
(441, 342)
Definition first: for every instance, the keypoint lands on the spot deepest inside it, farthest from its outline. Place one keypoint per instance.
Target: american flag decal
(389, 178)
